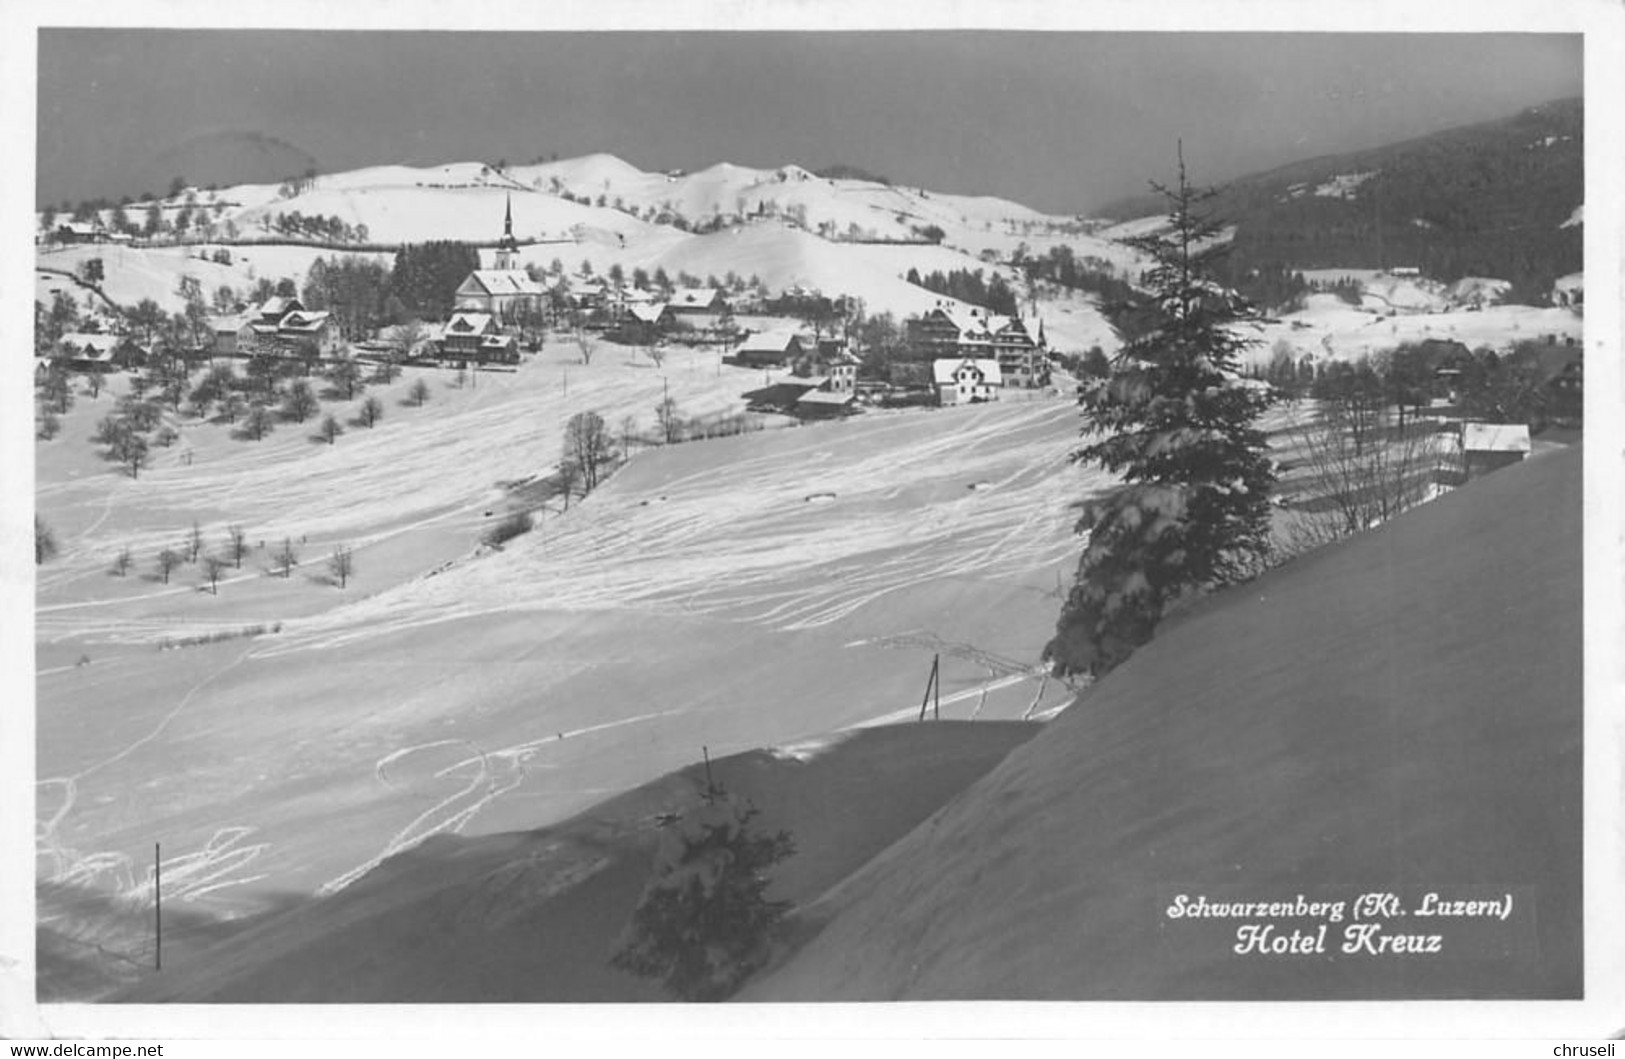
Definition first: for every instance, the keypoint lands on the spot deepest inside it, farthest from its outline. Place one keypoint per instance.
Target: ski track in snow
(735, 541)
(187, 876)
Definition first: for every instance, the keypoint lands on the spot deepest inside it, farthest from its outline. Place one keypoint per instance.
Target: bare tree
(656, 353)
(236, 545)
(331, 428)
(300, 402)
(259, 422)
(131, 450)
(285, 558)
(587, 344)
(213, 568)
(670, 420)
(122, 562)
(569, 479)
(194, 542)
(629, 429)
(419, 392)
(345, 376)
(372, 410)
(341, 565)
(587, 444)
(1358, 476)
(386, 372)
(168, 559)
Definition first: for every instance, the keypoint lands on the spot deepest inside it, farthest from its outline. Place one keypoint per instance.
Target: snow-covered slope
(1399, 714)
(785, 226)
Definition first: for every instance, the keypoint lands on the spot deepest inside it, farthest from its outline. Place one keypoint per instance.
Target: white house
(966, 380)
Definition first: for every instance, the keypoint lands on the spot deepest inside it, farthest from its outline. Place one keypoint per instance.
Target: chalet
(950, 331)
(939, 333)
(463, 335)
(643, 323)
(81, 351)
(697, 300)
(79, 232)
(967, 380)
(830, 359)
(283, 326)
(1487, 447)
(505, 289)
(1021, 361)
(767, 348)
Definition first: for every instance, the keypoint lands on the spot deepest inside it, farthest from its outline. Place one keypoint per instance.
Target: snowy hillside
(1364, 719)
(785, 226)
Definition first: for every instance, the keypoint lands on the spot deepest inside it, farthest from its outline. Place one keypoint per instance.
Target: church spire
(508, 248)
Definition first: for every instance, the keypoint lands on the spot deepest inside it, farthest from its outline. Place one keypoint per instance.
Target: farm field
(729, 594)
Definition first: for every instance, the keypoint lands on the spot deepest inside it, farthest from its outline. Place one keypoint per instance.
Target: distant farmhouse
(805, 397)
(697, 300)
(100, 352)
(770, 349)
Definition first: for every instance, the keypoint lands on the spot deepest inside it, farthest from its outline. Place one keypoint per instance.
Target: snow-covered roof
(276, 306)
(465, 323)
(824, 397)
(497, 341)
(502, 281)
(647, 313)
(943, 370)
(695, 297)
(768, 342)
(300, 320)
(227, 324)
(92, 343)
(1495, 437)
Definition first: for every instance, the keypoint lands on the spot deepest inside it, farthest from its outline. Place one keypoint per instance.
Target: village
(951, 354)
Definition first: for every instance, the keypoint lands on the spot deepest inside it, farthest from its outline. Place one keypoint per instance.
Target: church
(504, 290)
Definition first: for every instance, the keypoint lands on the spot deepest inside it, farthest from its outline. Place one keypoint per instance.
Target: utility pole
(158, 906)
(933, 690)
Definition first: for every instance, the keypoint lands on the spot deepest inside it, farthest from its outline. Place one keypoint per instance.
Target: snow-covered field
(699, 598)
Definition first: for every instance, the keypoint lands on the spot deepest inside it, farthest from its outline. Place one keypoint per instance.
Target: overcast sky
(1059, 121)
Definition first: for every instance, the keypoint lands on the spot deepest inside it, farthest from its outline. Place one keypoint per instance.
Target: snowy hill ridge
(785, 226)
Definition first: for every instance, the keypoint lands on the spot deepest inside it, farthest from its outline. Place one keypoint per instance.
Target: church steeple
(508, 248)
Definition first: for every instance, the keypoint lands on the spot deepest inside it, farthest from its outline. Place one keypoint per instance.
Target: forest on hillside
(1480, 200)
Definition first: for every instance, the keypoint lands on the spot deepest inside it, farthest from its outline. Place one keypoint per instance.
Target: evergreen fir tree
(705, 922)
(1176, 420)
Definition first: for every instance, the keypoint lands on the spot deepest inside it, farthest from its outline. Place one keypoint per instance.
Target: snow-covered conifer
(1175, 420)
